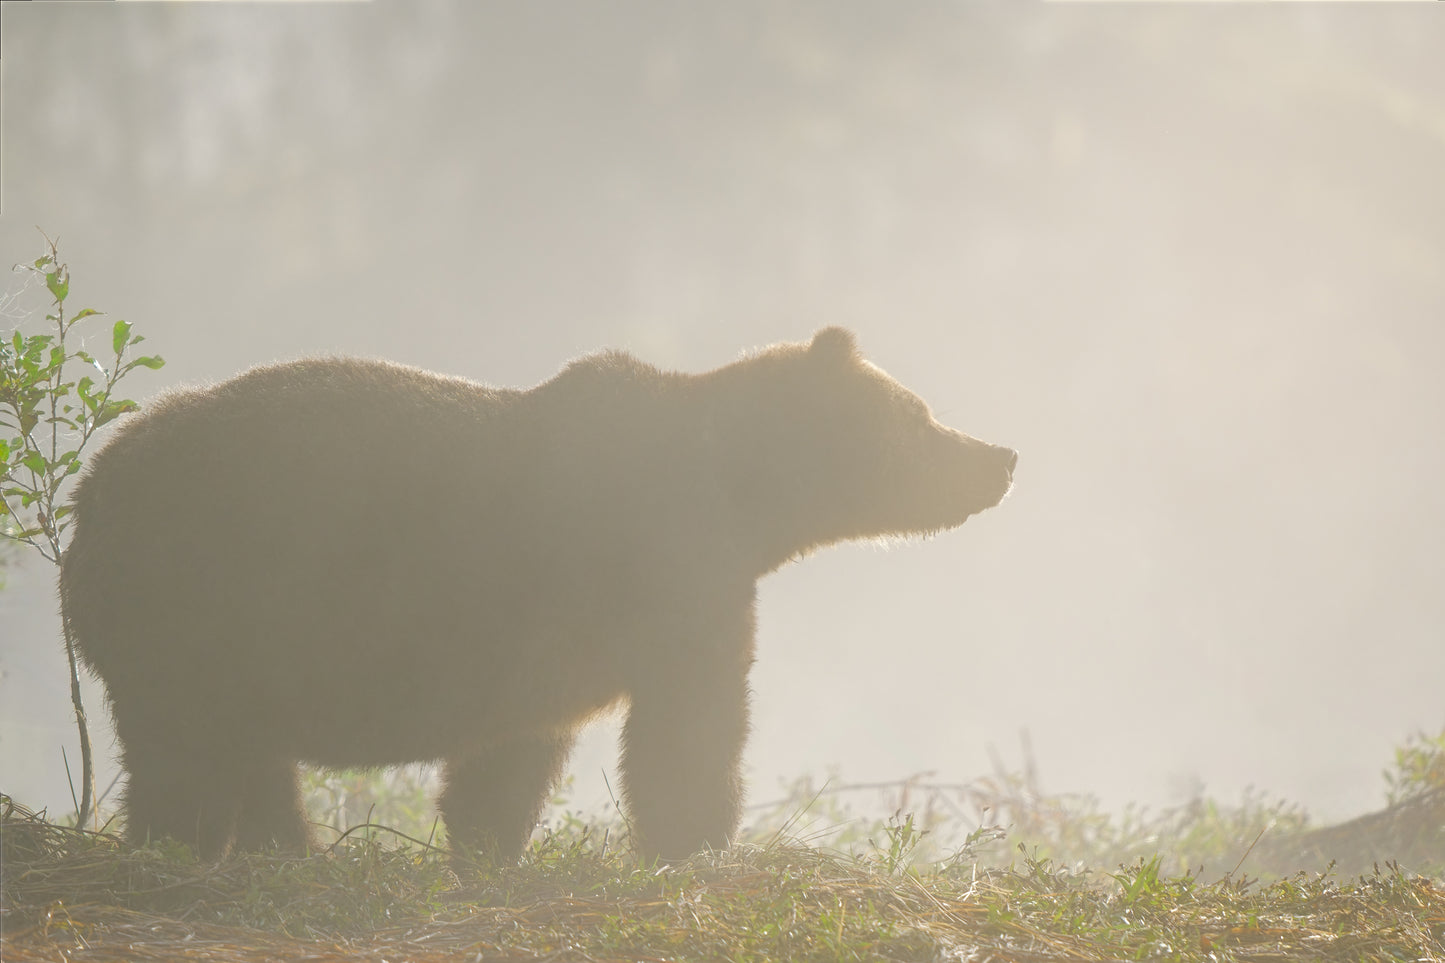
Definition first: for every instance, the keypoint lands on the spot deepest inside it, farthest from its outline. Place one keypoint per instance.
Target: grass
(1058, 880)
(76, 895)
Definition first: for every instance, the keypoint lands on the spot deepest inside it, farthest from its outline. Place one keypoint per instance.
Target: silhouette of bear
(355, 563)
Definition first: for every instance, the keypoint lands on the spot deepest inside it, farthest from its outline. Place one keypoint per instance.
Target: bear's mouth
(989, 494)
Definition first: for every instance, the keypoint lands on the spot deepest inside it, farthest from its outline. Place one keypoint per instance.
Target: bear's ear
(834, 344)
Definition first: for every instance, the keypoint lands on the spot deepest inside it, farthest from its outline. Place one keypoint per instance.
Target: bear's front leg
(492, 800)
(682, 754)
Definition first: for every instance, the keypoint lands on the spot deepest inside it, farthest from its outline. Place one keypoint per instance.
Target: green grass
(580, 896)
(1049, 878)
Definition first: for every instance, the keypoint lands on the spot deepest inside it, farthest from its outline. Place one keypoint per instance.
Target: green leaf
(35, 462)
(41, 262)
(89, 359)
(85, 313)
(113, 410)
(82, 388)
(59, 284)
(120, 336)
(150, 361)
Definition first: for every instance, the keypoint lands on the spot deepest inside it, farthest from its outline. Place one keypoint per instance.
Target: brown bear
(356, 563)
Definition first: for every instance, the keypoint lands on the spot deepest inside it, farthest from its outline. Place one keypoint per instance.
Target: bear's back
(289, 426)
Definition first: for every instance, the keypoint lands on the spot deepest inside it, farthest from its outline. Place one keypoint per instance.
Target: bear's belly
(416, 733)
(386, 711)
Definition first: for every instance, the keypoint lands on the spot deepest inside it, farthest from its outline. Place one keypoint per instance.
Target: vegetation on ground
(1059, 880)
(47, 418)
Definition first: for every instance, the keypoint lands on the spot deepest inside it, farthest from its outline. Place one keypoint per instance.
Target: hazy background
(1188, 260)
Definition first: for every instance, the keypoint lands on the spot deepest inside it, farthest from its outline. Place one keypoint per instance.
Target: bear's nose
(1010, 459)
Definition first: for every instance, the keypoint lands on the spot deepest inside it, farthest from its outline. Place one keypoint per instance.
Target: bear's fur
(356, 563)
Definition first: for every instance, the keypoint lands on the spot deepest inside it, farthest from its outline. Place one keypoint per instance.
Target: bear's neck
(768, 513)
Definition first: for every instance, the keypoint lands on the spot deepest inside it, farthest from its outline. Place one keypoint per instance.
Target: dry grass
(75, 895)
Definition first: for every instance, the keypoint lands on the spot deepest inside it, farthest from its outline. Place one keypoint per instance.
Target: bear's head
(841, 451)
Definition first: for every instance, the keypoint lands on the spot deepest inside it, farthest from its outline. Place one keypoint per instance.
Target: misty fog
(1188, 260)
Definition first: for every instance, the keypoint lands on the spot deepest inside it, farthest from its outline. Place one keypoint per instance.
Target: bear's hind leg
(181, 792)
(491, 801)
(271, 812)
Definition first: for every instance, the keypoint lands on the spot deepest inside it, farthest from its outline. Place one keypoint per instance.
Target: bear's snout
(1006, 459)
(992, 471)
(986, 457)
(1010, 459)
